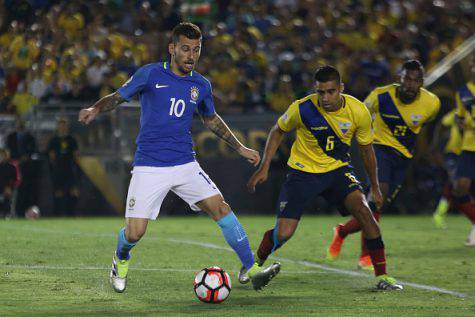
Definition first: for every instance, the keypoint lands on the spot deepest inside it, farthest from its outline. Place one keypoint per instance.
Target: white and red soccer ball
(212, 285)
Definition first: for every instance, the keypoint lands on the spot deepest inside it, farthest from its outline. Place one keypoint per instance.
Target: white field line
(335, 270)
(217, 247)
(144, 269)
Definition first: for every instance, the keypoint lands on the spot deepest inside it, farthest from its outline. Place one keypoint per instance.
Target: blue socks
(277, 243)
(233, 233)
(236, 237)
(123, 246)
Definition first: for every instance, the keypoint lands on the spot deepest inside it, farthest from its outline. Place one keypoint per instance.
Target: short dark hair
(187, 29)
(413, 64)
(327, 73)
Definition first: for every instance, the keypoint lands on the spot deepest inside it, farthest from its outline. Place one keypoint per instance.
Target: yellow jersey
(465, 98)
(323, 138)
(397, 124)
(454, 144)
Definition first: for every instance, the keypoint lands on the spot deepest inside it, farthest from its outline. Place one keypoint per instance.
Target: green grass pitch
(60, 267)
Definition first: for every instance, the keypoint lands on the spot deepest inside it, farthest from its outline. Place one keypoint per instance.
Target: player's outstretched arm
(216, 124)
(106, 103)
(275, 137)
(371, 167)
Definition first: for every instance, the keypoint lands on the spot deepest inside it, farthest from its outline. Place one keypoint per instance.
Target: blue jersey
(168, 103)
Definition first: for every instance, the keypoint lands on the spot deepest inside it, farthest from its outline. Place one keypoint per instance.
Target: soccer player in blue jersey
(170, 93)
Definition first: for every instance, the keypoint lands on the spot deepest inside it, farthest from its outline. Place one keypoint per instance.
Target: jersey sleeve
(136, 83)
(290, 119)
(206, 106)
(371, 102)
(461, 111)
(435, 110)
(364, 130)
(449, 119)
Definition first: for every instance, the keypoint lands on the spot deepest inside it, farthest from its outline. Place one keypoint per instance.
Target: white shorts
(149, 186)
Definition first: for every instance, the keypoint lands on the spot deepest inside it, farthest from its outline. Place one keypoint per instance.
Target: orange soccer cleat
(335, 247)
(365, 263)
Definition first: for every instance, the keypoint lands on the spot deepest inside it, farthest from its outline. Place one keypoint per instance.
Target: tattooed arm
(216, 124)
(106, 103)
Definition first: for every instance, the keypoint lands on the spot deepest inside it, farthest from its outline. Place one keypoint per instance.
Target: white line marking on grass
(103, 268)
(334, 270)
(99, 268)
(304, 263)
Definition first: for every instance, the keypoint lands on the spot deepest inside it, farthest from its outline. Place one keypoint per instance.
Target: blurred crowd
(21, 172)
(259, 55)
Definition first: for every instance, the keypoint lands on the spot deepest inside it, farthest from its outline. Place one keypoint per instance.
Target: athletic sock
(442, 207)
(236, 238)
(466, 204)
(351, 226)
(268, 245)
(364, 249)
(124, 246)
(376, 252)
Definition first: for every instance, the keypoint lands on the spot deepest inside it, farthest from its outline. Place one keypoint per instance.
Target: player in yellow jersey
(319, 164)
(452, 150)
(465, 172)
(399, 111)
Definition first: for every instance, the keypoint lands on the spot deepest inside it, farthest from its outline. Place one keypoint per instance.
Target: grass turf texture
(59, 267)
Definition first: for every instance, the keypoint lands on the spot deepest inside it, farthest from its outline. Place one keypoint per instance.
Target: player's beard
(187, 67)
(407, 97)
(184, 67)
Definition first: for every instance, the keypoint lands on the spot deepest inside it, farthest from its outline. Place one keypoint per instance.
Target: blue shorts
(466, 165)
(300, 188)
(392, 167)
(450, 163)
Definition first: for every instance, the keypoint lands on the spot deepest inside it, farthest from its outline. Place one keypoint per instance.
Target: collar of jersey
(166, 67)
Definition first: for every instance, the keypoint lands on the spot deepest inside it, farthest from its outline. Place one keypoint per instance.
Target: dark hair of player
(327, 73)
(413, 64)
(186, 29)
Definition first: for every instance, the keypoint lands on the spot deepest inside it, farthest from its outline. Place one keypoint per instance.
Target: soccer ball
(212, 285)
(32, 213)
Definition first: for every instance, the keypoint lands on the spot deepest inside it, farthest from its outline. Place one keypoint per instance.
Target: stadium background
(59, 56)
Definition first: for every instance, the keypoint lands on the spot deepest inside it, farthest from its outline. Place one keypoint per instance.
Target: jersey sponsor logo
(194, 94)
(160, 86)
(319, 128)
(390, 116)
(344, 126)
(416, 119)
(284, 117)
(300, 165)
